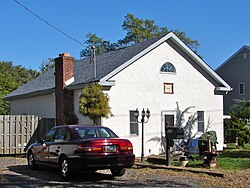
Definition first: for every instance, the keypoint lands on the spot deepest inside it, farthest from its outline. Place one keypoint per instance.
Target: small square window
(168, 88)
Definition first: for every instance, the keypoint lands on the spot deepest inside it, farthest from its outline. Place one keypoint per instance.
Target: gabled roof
(108, 65)
(243, 47)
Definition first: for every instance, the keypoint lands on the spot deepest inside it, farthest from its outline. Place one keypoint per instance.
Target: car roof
(78, 126)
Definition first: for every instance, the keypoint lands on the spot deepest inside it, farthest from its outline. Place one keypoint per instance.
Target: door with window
(168, 119)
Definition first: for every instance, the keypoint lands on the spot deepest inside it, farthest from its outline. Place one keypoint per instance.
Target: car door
(56, 148)
(42, 150)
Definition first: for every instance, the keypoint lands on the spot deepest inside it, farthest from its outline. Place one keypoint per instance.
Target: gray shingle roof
(83, 71)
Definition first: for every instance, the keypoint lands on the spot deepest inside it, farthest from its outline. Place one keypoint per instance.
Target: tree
(94, 103)
(47, 64)
(237, 126)
(137, 30)
(101, 45)
(12, 77)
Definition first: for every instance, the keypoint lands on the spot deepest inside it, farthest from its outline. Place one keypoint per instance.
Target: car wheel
(31, 161)
(65, 168)
(118, 172)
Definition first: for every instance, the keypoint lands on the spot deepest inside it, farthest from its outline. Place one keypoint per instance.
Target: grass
(229, 159)
(247, 146)
(234, 159)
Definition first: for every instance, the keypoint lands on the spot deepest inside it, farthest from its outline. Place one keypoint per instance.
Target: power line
(40, 18)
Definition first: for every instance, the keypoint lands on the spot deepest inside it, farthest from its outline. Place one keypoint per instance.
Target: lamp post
(142, 121)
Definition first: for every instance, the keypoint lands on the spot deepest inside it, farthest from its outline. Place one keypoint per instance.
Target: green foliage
(241, 109)
(193, 44)
(47, 64)
(12, 77)
(94, 103)
(237, 126)
(137, 30)
(101, 45)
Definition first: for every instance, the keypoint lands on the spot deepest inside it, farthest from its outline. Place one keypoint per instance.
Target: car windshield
(95, 132)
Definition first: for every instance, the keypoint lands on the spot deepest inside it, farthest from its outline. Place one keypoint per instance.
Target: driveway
(15, 173)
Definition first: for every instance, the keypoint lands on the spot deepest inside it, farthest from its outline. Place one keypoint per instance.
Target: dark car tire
(65, 169)
(118, 171)
(31, 161)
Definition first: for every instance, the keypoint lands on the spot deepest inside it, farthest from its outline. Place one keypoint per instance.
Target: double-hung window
(133, 123)
(201, 123)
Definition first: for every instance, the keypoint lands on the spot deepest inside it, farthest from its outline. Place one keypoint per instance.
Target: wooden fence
(17, 132)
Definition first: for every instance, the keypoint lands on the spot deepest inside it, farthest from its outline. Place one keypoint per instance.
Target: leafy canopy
(47, 64)
(101, 45)
(12, 77)
(94, 103)
(137, 30)
(237, 126)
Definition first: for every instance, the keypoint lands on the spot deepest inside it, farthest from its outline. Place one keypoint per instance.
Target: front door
(168, 119)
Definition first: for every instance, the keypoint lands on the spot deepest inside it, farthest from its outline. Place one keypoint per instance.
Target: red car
(76, 147)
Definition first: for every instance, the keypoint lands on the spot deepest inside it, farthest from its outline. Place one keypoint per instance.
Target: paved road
(15, 173)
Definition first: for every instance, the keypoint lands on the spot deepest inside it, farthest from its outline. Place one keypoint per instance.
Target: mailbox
(174, 133)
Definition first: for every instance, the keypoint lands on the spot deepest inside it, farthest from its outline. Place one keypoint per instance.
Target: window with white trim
(242, 88)
(133, 123)
(168, 68)
(201, 123)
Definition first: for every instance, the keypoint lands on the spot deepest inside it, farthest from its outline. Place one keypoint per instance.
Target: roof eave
(225, 89)
(200, 62)
(27, 95)
(231, 57)
(136, 57)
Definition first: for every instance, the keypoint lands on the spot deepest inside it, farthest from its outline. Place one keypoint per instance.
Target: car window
(91, 133)
(62, 135)
(49, 137)
(104, 133)
(95, 132)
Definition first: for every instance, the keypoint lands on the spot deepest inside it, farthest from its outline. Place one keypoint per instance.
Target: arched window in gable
(168, 68)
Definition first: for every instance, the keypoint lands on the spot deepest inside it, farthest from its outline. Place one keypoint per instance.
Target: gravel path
(15, 173)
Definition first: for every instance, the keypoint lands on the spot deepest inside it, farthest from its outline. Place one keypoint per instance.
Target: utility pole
(93, 59)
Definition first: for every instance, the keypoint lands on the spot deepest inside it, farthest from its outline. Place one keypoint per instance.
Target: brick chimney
(64, 75)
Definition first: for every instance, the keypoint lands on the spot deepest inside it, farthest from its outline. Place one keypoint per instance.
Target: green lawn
(247, 146)
(234, 159)
(229, 159)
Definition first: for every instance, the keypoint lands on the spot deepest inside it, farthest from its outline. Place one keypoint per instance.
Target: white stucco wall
(43, 106)
(141, 86)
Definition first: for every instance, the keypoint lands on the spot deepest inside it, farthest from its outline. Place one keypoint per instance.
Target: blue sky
(220, 26)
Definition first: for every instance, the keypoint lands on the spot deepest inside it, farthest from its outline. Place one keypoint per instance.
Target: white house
(158, 74)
